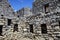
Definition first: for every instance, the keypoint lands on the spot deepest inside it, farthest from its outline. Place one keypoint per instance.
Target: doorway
(15, 27)
(46, 7)
(1, 27)
(43, 28)
(9, 22)
(31, 28)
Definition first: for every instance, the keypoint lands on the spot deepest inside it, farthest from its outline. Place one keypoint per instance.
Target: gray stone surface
(25, 18)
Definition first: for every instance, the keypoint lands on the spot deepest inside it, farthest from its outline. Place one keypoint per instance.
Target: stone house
(42, 24)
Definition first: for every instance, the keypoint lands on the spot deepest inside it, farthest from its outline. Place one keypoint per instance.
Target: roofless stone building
(45, 21)
(42, 22)
(8, 19)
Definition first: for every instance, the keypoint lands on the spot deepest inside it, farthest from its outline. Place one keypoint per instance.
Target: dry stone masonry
(42, 22)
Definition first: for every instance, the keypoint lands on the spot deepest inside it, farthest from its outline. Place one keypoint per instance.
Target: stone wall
(37, 26)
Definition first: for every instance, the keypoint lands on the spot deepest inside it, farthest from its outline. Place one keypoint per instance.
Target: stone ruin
(42, 24)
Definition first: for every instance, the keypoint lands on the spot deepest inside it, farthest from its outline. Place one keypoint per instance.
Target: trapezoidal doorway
(59, 23)
(1, 27)
(43, 28)
(46, 7)
(15, 27)
(9, 22)
(31, 28)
